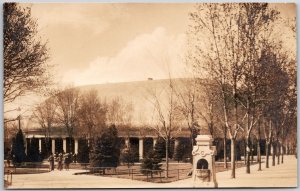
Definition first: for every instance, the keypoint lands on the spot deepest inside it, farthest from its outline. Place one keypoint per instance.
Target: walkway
(283, 175)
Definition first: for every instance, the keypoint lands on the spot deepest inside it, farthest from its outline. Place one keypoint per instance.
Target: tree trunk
(247, 155)
(232, 157)
(273, 154)
(258, 155)
(282, 157)
(225, 152)
(167, 159)
(267, 153)
(252, 153)
(278, 152)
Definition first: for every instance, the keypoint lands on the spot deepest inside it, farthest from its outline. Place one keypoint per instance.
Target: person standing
(75, 158)
(66, 161)
(60, 160)
(51, 160)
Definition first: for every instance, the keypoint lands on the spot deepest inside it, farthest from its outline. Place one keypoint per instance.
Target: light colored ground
(283, 175)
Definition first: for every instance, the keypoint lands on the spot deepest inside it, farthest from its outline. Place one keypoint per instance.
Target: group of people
(62, 159)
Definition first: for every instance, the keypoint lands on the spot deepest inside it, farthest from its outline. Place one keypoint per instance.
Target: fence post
(177, 174)
(147, 176)
(10, 178)
(131, 174)
(160, 176)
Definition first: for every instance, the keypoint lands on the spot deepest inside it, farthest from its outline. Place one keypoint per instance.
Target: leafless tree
(188, 97)
(67, 108)
(45, 115)
(119, 112)
(216, 49)
(25, 54)
(92, 114)
(166, 114)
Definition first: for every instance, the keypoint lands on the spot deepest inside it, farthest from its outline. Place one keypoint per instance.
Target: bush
(183, 151)
(18, 148)
(151, 162)
(128, 156)
(83, 151)
(33, 151)
(106, 150)
(160, 148)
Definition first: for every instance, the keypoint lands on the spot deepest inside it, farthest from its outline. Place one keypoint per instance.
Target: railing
(178, 172)
(8, 178)
(101, 170)
(37, 166)
(151, 172)
(139, 173)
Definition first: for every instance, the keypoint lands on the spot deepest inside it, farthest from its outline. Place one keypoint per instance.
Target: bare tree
(167, 115)
(24, 53)
(188, 97)
(68, 107)
(92, 114)
(45, 115)
(117, 110)
(216, 52)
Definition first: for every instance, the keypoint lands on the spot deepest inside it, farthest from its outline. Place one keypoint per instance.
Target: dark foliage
(129, 156)
(18, 149)
(33, 151)
(160, 148)
(183, 151)
(83, 151)
(106, 150)
(151, 162)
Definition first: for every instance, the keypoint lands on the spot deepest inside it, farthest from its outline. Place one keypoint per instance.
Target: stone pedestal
(204, 173)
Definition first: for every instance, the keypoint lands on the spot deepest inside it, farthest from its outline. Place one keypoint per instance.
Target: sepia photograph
(149, 95)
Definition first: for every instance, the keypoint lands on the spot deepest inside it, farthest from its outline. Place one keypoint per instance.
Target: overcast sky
(99, 43)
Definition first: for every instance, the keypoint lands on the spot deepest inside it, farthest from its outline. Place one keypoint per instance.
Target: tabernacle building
(140, 94)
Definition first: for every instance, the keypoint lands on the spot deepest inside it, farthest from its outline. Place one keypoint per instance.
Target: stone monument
(204, 172)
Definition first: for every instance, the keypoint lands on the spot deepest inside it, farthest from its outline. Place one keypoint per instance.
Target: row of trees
(79, 112)
(243, 80)
(238, 49)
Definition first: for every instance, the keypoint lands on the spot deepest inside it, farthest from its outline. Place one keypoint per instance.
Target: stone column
(76, 145)
(53, 145)
(65, 145)
(176, 144)
(26, 144)
(127, 142)
(141, 148)
(154, 142)
(40, 145)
